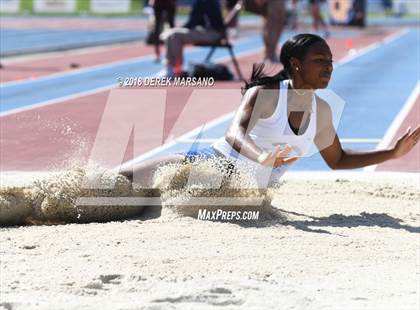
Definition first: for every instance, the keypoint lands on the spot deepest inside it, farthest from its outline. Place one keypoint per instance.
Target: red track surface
(411, 161)
(45, 138)
(32, 69)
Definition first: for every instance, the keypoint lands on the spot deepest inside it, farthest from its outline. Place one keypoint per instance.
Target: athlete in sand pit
(284, 110)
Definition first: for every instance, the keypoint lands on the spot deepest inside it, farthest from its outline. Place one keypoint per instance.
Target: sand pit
(205, 184)
(52, 198)
(347, 241)
(181, 189)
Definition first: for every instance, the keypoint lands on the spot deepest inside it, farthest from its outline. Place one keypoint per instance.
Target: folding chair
(224, 42)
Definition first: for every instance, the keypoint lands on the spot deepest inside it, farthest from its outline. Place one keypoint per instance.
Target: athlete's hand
(406, 142)
(278, 157)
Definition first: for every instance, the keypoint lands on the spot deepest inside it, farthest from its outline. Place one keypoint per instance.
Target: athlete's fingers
(289, 160)
(274, 153)
(277, 149)
(285, 151)
(406, 135)
(416, 132)
(415, 135)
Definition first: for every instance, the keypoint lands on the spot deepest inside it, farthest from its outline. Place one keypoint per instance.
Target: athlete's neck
(299, 99)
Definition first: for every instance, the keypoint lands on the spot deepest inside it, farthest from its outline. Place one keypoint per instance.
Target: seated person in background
(232, 25)
(205, 25)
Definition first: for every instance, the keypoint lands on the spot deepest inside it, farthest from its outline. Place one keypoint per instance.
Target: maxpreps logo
(222, 215)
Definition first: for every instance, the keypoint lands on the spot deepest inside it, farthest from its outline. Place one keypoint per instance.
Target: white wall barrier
(110, 6)
(9, 6)
(54, 6)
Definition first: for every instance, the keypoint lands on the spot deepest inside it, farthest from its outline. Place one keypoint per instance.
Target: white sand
(351, 241)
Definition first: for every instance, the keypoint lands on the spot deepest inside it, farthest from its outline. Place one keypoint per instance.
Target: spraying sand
(335, 241)
(52, 198)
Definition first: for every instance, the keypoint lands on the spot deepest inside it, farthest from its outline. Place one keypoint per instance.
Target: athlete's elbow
(336, 163)
(229, 138)
(235, 140)
(233, 136)
(331, 165)
(334, 166)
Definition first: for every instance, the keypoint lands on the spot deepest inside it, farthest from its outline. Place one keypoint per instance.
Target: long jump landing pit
(343, 240)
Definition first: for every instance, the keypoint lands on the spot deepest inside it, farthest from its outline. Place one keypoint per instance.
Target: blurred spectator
(387, 6)
(292, 14)
(274, 20)
(317, 19)
(399, 7)
(163, 9)
(205, 25)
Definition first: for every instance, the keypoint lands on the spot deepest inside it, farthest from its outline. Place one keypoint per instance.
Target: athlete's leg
(141, 174)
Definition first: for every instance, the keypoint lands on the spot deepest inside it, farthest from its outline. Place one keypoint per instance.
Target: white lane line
(107, 87)
(57, 100)
(166, 146)
(388, 39)
(90, 69)
(50, 56)
(397, 122)
(346, 59)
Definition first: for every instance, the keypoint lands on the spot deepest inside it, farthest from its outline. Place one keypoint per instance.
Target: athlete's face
(316, 68)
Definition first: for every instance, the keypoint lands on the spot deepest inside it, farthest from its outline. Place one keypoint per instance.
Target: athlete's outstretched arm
(337, 158)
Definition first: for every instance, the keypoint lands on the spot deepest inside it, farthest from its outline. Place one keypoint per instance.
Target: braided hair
(297, 47)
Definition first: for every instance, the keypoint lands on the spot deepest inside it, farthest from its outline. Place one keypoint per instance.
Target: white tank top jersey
(268, 133)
